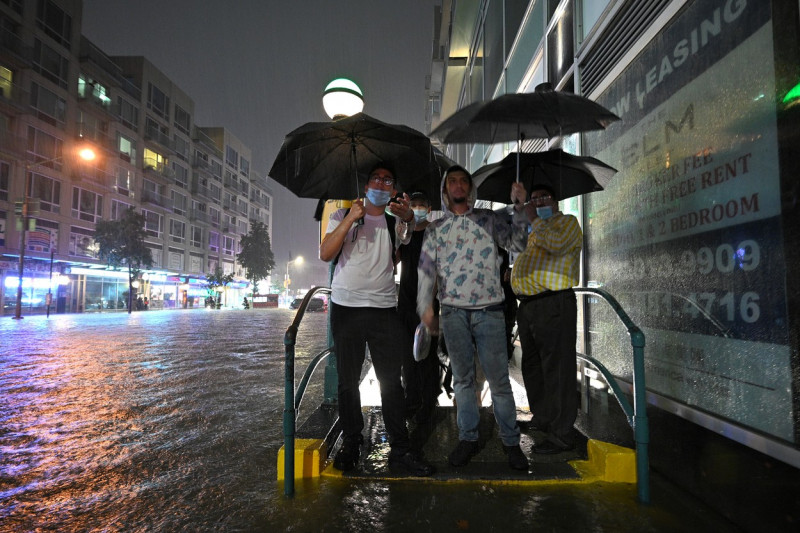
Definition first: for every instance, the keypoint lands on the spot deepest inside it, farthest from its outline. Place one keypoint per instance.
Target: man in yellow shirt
(542, 278)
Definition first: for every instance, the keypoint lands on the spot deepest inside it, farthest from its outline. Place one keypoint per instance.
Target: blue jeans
(468, 330)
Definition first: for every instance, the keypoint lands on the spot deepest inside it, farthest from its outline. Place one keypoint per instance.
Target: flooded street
(150, 421)
(172, 421)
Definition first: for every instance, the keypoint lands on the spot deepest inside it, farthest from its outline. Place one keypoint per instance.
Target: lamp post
(341, 98)
(287, 280)
(87, 154)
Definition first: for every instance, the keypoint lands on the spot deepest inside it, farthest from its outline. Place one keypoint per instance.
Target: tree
(217, 279)
(256, 255)
(121, 243)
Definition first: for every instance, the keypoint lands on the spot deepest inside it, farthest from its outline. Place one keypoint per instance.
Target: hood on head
(472, 197)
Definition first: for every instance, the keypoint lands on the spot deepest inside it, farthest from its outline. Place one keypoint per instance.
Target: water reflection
(171, 420)
(155, 420)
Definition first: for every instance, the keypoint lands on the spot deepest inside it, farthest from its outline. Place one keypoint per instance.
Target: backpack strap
(336, 259)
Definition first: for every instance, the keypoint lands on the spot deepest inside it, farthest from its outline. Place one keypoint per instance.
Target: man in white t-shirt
(364, 313)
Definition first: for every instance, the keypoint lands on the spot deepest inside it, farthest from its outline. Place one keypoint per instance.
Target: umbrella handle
(354, 160)
(521, 137)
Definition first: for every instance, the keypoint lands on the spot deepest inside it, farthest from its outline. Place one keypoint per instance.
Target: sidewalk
(558, 493)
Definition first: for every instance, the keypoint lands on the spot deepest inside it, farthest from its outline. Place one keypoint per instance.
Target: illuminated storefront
(73, 289)
(38, 287)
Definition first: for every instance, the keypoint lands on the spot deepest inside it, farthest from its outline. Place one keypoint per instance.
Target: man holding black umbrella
(363, 313)
(542, 278)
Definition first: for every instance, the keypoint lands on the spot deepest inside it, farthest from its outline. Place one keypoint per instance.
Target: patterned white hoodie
(459, 255)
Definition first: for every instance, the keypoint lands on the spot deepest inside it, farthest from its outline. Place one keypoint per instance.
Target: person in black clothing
(421, 379)
(510, 309)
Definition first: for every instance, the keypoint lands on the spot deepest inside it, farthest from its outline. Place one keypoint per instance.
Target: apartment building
(194, 184)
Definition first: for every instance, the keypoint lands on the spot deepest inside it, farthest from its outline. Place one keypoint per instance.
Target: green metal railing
(636, 415)
(291, 399)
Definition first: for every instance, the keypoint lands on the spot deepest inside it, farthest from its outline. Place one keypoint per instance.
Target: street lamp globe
(342, 98)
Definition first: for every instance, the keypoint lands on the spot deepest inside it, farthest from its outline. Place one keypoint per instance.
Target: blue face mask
(420, 214)
(378, 197)
(544, 212)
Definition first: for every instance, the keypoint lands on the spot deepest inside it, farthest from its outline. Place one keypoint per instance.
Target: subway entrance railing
(636, 414)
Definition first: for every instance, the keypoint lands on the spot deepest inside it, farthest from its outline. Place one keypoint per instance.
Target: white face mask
(420, 214)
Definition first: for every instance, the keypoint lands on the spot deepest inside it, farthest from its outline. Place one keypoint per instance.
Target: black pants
(355, 328)
(547, 333)
(422, 379)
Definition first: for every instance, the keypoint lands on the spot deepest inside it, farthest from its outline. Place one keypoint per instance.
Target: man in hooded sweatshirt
(364, 314)
(460, 257)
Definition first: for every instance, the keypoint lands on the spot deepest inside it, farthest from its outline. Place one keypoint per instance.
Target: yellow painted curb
(309, 458)
(607, 462)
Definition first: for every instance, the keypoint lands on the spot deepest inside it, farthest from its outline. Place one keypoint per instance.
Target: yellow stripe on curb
(606, 462)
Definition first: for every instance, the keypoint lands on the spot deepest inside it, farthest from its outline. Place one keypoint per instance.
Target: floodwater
(172, 421)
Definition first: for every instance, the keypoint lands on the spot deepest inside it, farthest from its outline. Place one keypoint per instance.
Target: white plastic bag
(422, 342)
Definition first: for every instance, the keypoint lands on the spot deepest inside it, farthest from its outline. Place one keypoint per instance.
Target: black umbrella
(568, 175)
(331, 159)
(542, 114)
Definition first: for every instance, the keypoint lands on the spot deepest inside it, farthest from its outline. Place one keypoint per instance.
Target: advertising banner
(688, 234)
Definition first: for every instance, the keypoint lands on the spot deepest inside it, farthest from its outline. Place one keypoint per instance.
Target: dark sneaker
(412, 462)
(465, 450)
(552, 446)
(516, 457)
(347, 456)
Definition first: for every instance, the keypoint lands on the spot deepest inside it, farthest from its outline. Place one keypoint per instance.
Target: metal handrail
(292, 400)
(637, 416)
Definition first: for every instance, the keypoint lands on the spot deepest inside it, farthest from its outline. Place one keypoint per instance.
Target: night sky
(259, 68)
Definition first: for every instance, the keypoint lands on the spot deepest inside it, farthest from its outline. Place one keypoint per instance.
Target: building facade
(193, 184)
(695, 235)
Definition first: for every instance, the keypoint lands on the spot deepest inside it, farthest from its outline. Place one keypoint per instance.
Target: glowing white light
(342, 98)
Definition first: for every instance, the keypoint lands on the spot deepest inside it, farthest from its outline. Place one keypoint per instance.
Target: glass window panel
(51, 64)
(494, 56)
(529, 39)
(182, 119)
(590, 13)
(476, 73)
(5, 173)
(231, 157)
(514, 13)
(560, 46)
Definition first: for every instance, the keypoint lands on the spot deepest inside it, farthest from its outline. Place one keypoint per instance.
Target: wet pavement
(438, 438)
(172, 421)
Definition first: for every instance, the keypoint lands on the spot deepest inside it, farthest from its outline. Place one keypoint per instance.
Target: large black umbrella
(542, 114)
(330, 160)
(568, 175)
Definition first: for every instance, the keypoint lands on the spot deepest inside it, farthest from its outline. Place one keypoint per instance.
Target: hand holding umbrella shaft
(332, 242)
(518, 195)
(356, 213)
